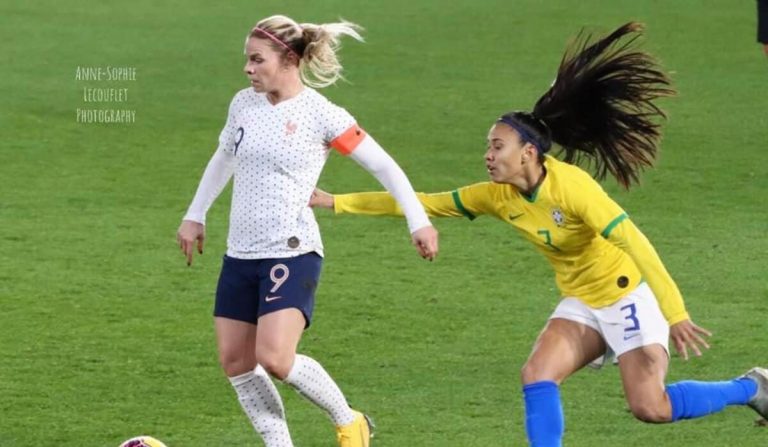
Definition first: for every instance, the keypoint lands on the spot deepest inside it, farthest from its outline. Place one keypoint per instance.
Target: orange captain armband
(348, 141)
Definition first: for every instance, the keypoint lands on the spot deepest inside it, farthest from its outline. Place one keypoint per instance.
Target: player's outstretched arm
(425, 239)
(441, 204)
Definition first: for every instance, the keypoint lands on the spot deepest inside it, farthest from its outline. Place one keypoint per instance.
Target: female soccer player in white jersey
(618, 299)
(276, 139)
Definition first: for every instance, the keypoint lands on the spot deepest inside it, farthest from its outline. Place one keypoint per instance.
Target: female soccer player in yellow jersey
(617, 298)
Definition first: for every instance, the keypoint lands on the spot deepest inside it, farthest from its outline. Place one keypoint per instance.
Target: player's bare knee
(234, 365)
(650, 412)
(277, 364)
(527, 373)
(531, 372)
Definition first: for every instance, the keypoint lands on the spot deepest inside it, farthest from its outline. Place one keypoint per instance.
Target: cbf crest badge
(558, 217)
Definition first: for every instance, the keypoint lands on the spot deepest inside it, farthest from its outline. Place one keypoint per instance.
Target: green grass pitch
(106, 334)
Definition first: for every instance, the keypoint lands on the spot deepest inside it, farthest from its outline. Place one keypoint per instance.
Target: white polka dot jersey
(276, 153)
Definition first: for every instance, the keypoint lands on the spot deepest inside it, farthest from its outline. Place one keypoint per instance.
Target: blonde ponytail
(320, 65)
(315, 46)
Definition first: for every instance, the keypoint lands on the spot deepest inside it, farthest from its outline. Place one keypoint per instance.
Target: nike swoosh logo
(272, 298)
(513, 217)
(627, 337)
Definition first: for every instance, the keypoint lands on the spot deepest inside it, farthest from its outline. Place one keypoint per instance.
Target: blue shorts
(250, 288)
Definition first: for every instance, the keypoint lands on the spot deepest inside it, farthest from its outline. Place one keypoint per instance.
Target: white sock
(261, 402)
(312, 381)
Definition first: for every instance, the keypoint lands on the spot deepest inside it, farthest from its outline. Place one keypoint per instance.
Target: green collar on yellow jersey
(535, 193)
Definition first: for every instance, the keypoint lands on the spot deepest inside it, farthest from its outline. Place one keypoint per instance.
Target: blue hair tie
(523, 133)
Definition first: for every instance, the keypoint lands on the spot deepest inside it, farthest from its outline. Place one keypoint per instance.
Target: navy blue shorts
(762, 21)
(250, 288)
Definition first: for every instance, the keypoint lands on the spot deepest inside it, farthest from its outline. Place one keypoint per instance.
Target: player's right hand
(425, 241)
(190, 233)
(321, 199)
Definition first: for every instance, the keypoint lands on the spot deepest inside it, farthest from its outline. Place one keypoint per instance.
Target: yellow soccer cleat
(356, 434)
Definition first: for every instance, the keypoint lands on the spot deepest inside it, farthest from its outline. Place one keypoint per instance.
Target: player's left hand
(685, 334)
(425, 241)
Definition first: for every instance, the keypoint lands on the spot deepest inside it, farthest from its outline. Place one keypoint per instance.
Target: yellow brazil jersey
(597, 254)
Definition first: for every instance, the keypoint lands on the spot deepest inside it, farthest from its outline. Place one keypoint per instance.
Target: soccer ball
(143, 441)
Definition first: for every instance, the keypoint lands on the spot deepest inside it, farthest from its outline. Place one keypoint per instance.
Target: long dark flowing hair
(601, 106)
